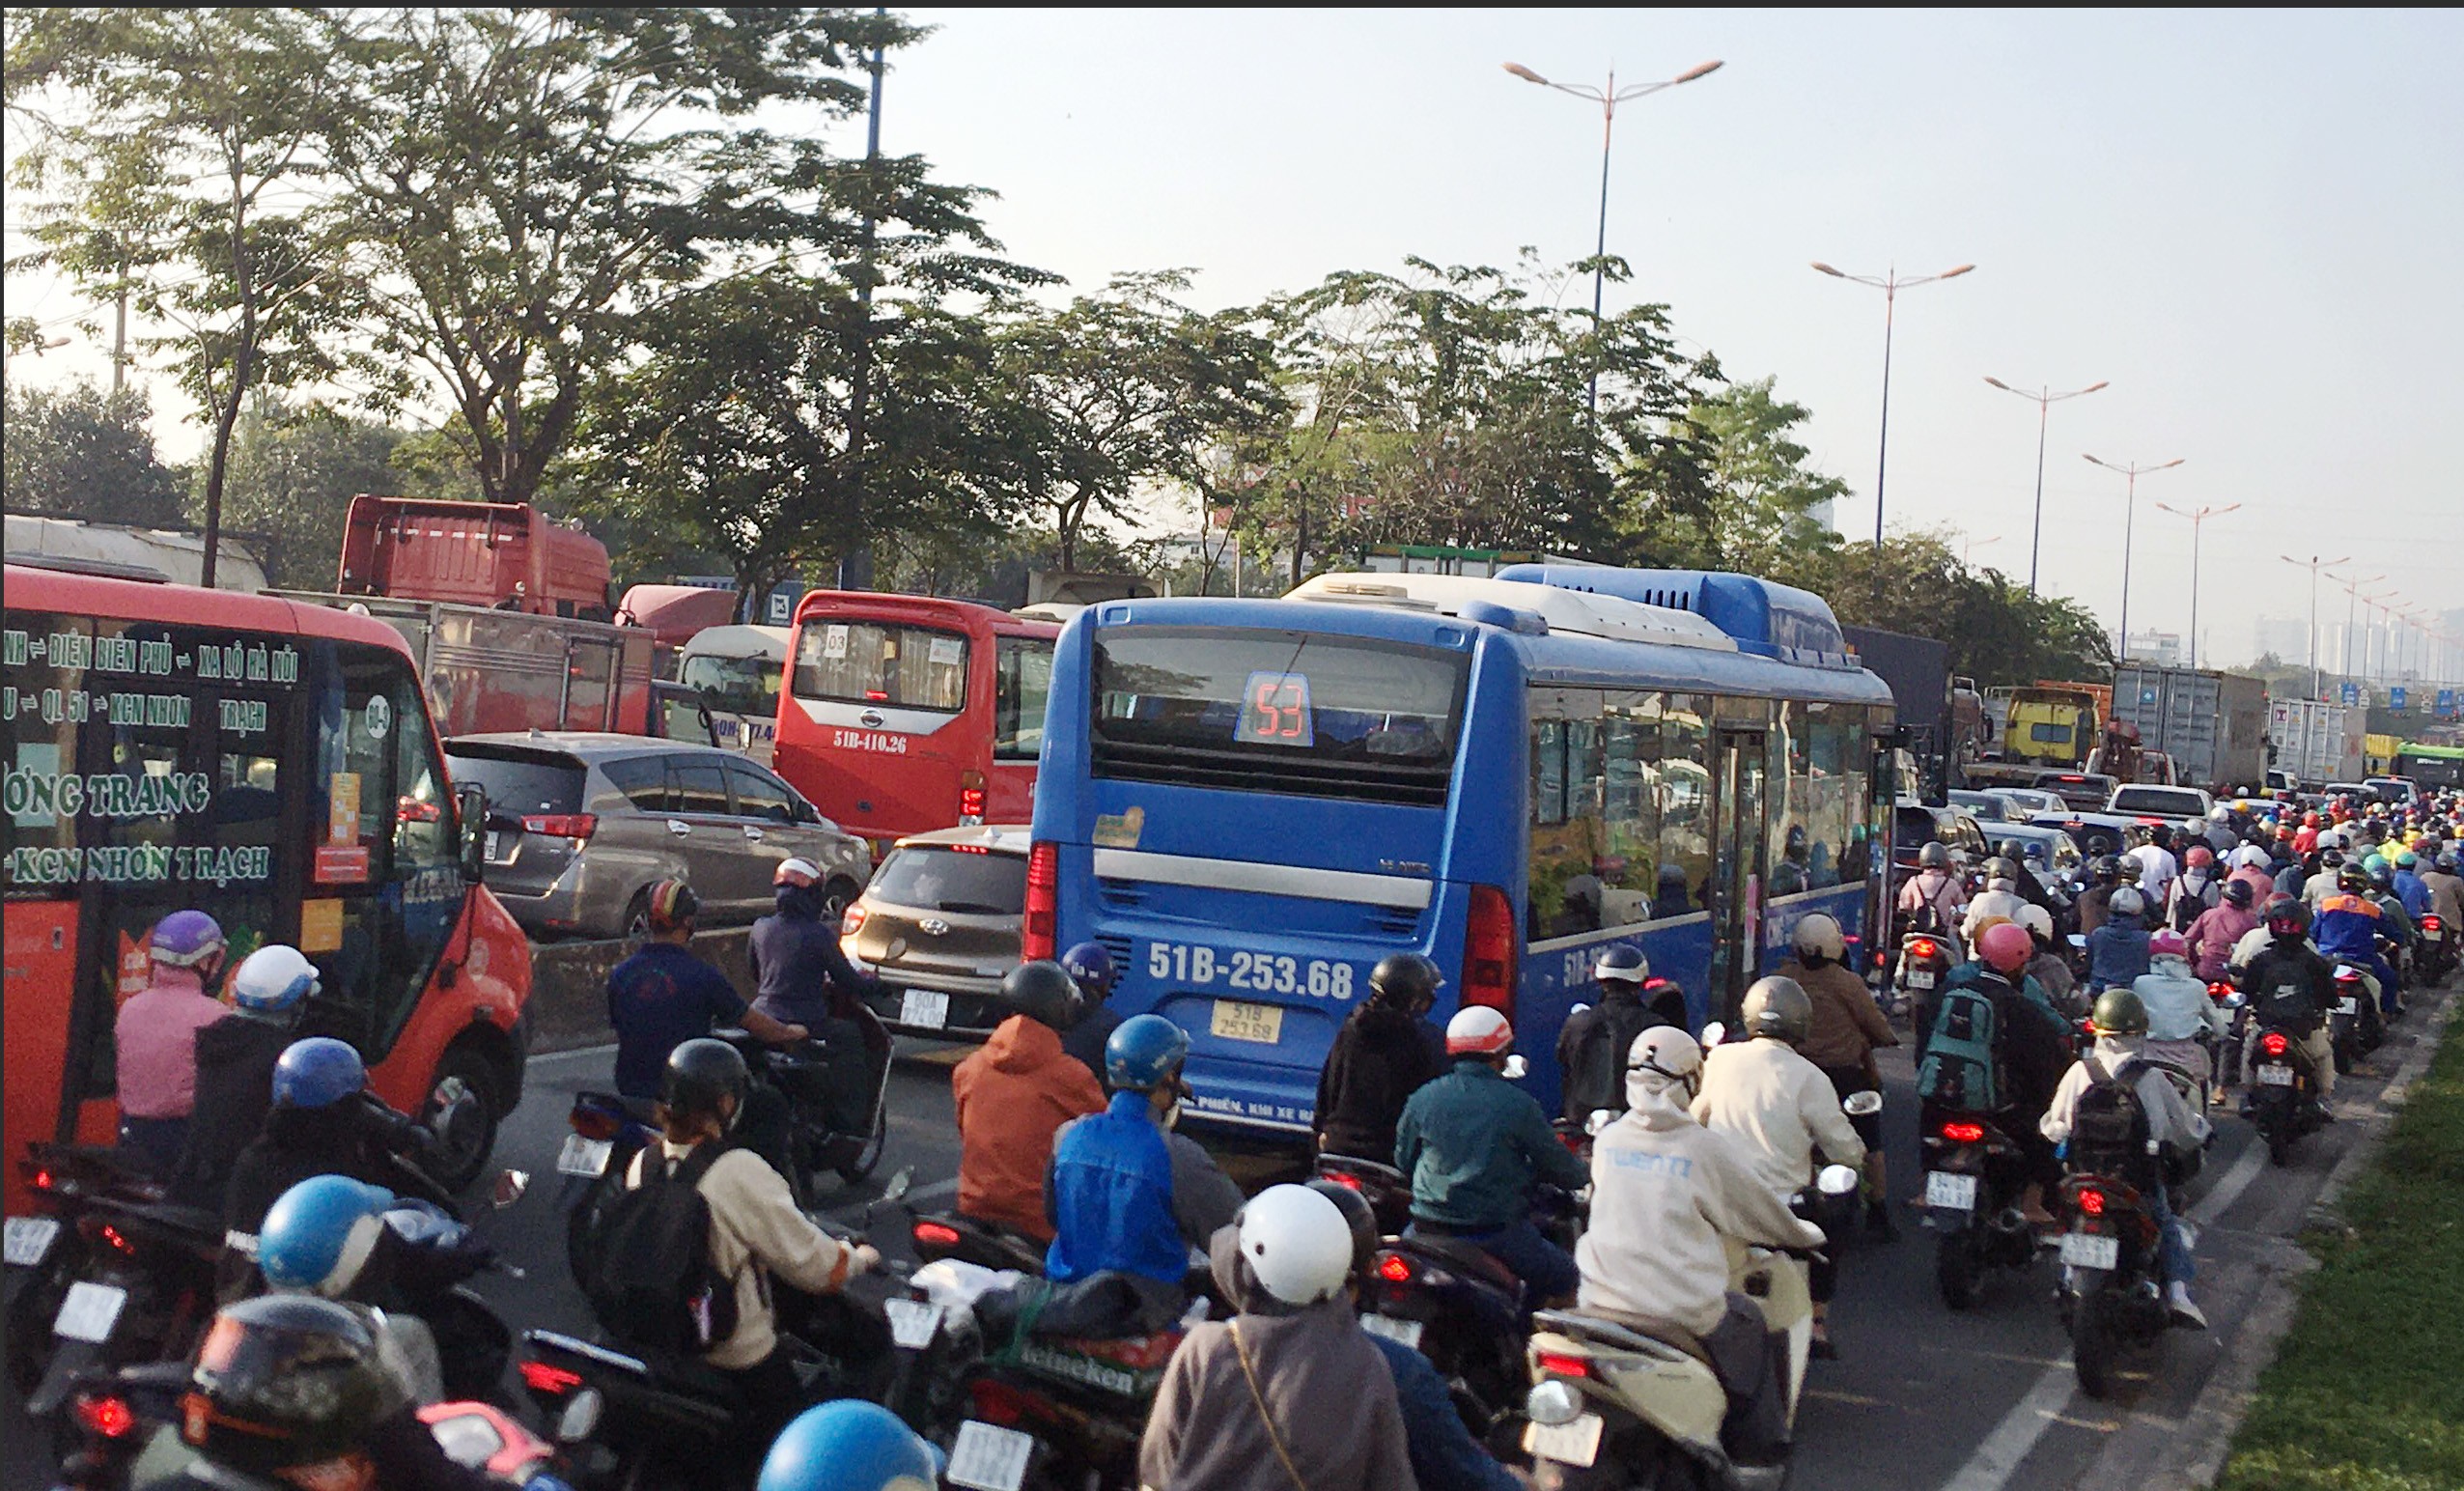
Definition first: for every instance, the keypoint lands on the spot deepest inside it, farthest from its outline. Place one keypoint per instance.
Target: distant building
(2286, 636)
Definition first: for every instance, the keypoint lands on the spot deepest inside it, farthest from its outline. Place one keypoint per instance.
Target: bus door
(1738, 870)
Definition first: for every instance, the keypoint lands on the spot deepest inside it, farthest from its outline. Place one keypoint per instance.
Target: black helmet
(2351, 877)
(1356, 1215)
(1622, 963)
(2012, 850)
(1044, 991)
(701, 1071)
(2288, 916)
(1405, 980)
(1934, 856)
(2237, 891)
(285, 1380)
(2108, 868)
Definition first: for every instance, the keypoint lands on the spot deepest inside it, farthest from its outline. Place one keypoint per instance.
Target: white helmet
(1297, 1243)
(273, 980)
(1819, 933)
(1477, 1030)
(2127, 902)
(2037, 920)
(2220, 813)
(1666, 1051)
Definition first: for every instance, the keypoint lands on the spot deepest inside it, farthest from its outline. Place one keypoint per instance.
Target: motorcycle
(2349, 1033)
(2283, 1094)
(40, 1246)
(1452, 1301)
(1974, 1177)
(972, 1240)
(1924, 962)
(2111, 1297)
(1612, 1406)
(607, 1130)
(802, 1074)
(2437, 956)
(1387, 1190)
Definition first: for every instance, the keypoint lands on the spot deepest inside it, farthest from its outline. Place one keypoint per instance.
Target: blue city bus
(1249, 802)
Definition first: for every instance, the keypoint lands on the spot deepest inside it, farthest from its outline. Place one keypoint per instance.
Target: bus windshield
(744, 686)
(1282, 712)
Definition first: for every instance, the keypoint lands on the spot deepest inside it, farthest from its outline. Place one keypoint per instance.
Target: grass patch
(2366, 1392)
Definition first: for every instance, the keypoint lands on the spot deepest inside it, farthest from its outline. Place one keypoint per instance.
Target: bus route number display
(1275, 710)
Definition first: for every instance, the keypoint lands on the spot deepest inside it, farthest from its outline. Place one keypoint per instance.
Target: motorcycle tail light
(2274, 1043)
(1002, 1403)
(936, 1235)
(548, 1377)
(1346, 1179)
(1558, 1365)
(2431, 923)
(2091, 1202)
(44, 1180)
(107, 1416)
(595, 1123)
(1394, 1268)
(1964, 1133)
(1923, 948)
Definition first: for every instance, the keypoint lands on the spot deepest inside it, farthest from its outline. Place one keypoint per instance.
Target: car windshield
(968, 881)
(515, 780)
(2175, 800)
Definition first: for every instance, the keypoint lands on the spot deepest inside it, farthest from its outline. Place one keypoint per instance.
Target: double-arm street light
(1607, 98)
(2352, 600)
(2198, 520)
(2313, 564)
(2045, 398)
(1891, 284)
(2130, 519)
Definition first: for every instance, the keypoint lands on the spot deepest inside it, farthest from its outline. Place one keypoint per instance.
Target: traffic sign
(2352, 694)
(2446, 704)
(2396, 696)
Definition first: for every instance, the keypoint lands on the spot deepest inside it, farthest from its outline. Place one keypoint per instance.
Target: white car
(2031, 801)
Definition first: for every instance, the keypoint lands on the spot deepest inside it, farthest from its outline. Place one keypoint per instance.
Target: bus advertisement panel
(1249, 802)
(904, 713)
(269, 763)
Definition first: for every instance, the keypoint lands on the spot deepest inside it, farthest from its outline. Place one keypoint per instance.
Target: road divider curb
(569, 984)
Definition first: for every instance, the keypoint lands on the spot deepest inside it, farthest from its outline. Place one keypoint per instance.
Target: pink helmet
(2199, 856)
(2005, 946)
(2167, 944)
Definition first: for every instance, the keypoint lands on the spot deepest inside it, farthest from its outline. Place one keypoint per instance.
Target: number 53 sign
(1275, 710)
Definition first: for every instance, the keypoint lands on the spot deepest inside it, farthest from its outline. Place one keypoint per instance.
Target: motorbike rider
(1846, 1028)
(2409, 886)
(154, 1036)
(1014, 1094)
(2001, 897)
(1125, 1193)
(1473, 1145)
(1090, 967)
(1935, 894)
(289, 1391)
(1669, 1198)
(1289, 1393)
(2220, 832)
(2447, 896)
(2212, 937)
(325, 1122)
(2399, 928)
(2346, 928)
(804, 978)
(2200, 886)
(1592, 1044)
(2106, 875)
(1779, 1109)
(2030, 887)
(2324, 881)
(1382, 1055)
(758, 1238)
(2120, 1026)
(850, 1445)
(235, 1069)
(2117, 950)
(2030, 1050)
(2291, 986)
(2158, 869)
(2177, 1009)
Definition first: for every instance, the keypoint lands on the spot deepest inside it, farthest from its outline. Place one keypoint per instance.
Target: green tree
(1763, 494)
(174, 175)
(294, 468)
(78, 452)
(1997, 632)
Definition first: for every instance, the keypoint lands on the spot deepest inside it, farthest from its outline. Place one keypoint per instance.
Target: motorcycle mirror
(2236, 1000)
(1835, 1179)
(900, 1184)
(1576, 1010)
(1517, 1068)
(1861, 1105)
(2079, 941)
(1713, 1034)
(508, 1189)
(1600, 1118)
(580, 1417)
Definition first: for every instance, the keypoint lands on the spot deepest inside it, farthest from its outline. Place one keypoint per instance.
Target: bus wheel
(461, 1111)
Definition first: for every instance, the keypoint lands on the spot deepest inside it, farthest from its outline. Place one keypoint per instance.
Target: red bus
(903, 713)
(273, 765)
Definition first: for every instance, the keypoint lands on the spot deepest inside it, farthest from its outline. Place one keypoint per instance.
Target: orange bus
(272, 764)
(902, 714)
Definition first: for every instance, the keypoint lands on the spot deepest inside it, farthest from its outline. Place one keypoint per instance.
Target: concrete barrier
(569, 985)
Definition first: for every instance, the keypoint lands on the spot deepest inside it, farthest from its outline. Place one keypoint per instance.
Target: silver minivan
(581, 825)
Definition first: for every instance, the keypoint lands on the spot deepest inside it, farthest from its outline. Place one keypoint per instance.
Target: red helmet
(2200, 856)
(1477, 1030)
(2005, 946)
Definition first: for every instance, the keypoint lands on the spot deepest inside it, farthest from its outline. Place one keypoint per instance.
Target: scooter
(1387, 1190)
(2111, 1297)
(1974, 1177)
(1451, 1300)
(2436, 957)
(972, 1240)
(1924, 962)
(127, 1279)
(2348, 1032)
(607, 1130)
(802, 1074)
(1614, 1407)
(2283, 1093)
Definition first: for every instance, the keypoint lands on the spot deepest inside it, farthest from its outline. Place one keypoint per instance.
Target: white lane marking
(2228, 1189)
(603, 1051)
(1998, 1457)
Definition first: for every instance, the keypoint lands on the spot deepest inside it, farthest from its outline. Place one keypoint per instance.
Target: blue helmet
(320, 1234)
(1144, 1053)
(317, 1072)
(1091, 968)
(849, 1446)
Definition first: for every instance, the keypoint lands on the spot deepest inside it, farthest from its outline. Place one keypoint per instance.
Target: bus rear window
(1284, 712)
(881, 663)
(518, 783)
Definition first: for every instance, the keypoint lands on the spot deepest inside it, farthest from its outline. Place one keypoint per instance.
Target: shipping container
(494, 554)
(2213, 724)
(2315, 741)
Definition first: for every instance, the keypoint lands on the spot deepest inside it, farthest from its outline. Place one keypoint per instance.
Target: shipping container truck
(2316, 741)
(502, 555)
(1918, 670)
(2212, 724)
(2044, 727)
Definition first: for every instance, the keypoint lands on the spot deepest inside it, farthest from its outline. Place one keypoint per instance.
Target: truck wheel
(465, 1147)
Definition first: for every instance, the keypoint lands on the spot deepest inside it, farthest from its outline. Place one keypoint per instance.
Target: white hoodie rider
(2179, 1007)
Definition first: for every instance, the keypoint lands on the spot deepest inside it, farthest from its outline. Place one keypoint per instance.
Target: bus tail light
(971, 798)
(1488, 949)
(1041, 927)
(576, 827)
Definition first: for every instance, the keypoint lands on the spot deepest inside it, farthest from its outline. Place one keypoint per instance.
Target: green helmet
(1778, 1007)
(2119, 1012)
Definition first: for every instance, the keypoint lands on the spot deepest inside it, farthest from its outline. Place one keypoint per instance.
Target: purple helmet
(185, 939)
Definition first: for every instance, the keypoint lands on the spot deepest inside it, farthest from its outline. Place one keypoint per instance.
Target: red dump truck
(502, 555)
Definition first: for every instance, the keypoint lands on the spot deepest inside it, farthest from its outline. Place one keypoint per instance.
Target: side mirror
(1835, 1180)
(470, 806)
(1862, 1105)
(1600, 1118)
(2236, 1000)
(900, 1184)
(2079, 941)
(1576, 1010)
(508, 1189)
(1713, 1034)
(1517, 1068)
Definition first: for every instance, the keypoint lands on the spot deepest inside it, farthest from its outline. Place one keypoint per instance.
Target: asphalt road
(1920, 1396)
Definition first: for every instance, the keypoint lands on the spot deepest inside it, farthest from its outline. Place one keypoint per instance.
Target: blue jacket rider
(2117, 950)
(1124, 1194)
(2347, 929)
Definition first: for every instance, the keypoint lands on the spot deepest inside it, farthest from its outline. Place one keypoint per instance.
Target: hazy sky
(2251, 224)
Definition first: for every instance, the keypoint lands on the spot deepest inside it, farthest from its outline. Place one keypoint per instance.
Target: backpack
(645, 1251)
(1959, 1070)
(2191, 902)
(1592, 1059)
(2109, 1129)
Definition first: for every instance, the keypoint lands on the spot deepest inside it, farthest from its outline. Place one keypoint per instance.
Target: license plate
(913, 1322)
(2086, 1250)
(29, 1239)
(924, 1009)
(1405, 1331)
(2350, 1004)
(1573, 1443)
(1921, 978)
(583, 1156)
(2274, 1075)
(1235, 1021)
(1944, 1189)
(491, 849)
(89, 1312)
(987, 1457)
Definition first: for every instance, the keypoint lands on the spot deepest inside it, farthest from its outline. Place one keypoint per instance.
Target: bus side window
(1021, 686)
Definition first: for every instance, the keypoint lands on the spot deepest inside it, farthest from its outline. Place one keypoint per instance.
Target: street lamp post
(2352, 599)
(2198, 520)
(2045, 398)
(2313, 564)
(1891, 284)
(1607, 98)
(2129, 521)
